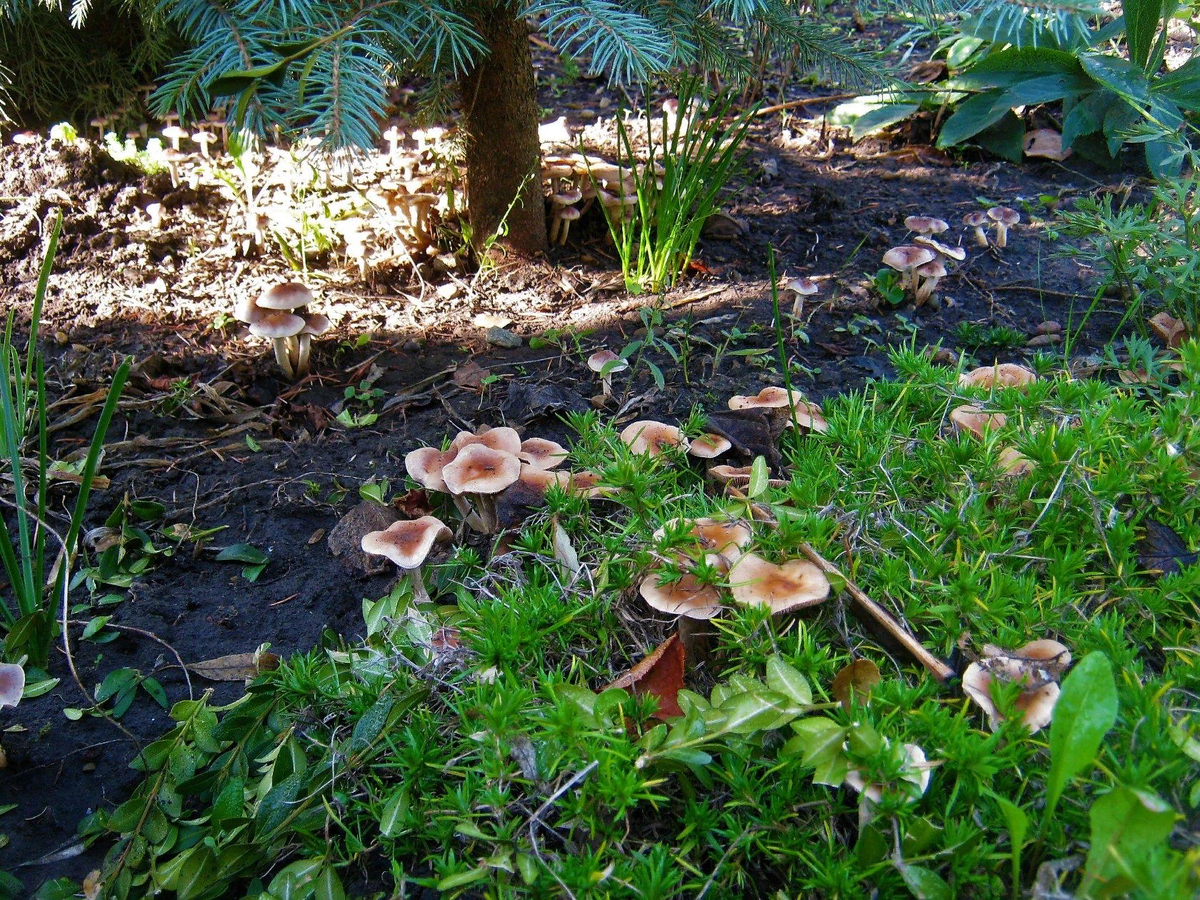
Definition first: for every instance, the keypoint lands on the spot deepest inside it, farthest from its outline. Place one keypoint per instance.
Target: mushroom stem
(304, 346)
(1001, 235)
(936, 667)
(420, 594)
(283, 357)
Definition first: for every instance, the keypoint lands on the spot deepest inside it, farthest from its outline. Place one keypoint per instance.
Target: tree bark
(504, 189)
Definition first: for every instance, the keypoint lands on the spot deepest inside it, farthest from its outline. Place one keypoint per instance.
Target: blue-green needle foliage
(325, 66)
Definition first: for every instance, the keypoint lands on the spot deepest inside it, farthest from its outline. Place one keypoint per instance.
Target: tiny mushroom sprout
(974, 421)
(477, 474)
(784, 588)
(1001, 375)
(651, 438)
(174, 134)
(1037, 667)
(407, 543)
(925, 224)
(685, 596)
(606, 364)
(905, 259)
(204, 139)
(978, 220)
(1003, 218)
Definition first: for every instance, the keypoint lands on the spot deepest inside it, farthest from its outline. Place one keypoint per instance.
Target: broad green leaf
(1127, 826)
(881, 117)
(196, 875)
(370, 724)
(1182, 85)
(243, 553)
(1009, 68)
(784, 679)
(277, 805)
(747, 713)
(1044, 89)
(394, 812)
(230, 803)
(1118, 76)
(925, 884)
(1142, 18)
(1086, 710)
(972, 116)
(462, 878)
(821, 738)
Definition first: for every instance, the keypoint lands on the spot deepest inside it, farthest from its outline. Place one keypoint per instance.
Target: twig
(535, 819)
(154, 637)
(803, 101)
(936, 667)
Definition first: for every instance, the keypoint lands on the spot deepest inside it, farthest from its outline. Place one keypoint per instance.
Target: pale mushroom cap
(478, 469)
(12, 684)
(1014, 463)
(567, 198)
(925, 224)
(975, 219)
(770, 397)
(907, 256)
(916, 773)
(287, 295)
(274, 323)
(1051, 654)
(808, 416)
(682, 597)
(425, 465)
(1004, 215)
(504, 439)
(316, 324)
(727, 538)
(570, 213)
(975, 421)
(791, 586)
(652, 438)
(708, 446)
(406, 543)
(805, 287)
(542, 453)
(958, 254)
(601, 358)
(935, 268)
(999, 375)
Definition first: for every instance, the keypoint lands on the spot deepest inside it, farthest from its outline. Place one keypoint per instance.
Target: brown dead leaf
(413, 504)
(856, 679)
(470, 376)
(1171, 330)
(660, 674)
(1162, 551)
(235, 666)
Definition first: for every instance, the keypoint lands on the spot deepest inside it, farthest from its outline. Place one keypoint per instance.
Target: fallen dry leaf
(1162, 551)
(470, 376)
(856, 679)
(1171, 330)
(660, 674)
(235, 666)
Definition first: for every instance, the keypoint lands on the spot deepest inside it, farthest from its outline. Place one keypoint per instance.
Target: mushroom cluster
(926, 261)
(1036, 667)
(999, 218)
(480, 470)
(281, 314)
(572, 183)
(723, 548)
(972, 420)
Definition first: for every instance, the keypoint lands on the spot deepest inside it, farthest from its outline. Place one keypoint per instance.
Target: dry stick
(804, 101)
(937, 668)
(154, 637)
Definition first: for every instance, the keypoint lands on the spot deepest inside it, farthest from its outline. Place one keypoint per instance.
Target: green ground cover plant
(27, 610)
(470, 744)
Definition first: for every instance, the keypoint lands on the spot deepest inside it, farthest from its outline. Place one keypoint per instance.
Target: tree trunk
(504, 188)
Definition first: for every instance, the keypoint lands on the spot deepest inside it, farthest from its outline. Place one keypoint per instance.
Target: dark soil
(208, 428)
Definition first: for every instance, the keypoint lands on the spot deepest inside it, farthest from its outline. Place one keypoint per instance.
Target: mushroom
(425, 464)
(931, 272)
(1000, 375)
(12, 684)
(174, 134)
(393, 136)
(1046, 143)
(945, 251)
(727, 538)
(503, 439)
(407, 543)
(1013, 463)
(905, 259)
(783, 408)
(542, 453)
(652, 438)
(204, 139)
(685, 596)
(605, 363)
(566, 216)
(709, 446)
(288, 296)
(801, 287)
(315, 324)
(978, 220)
(477, 473)
(925, 224)
(1037, 666)
(1003, 218)
(912, 780)
(280, 326)
(784, 588)
(560, 203)
(973, 420)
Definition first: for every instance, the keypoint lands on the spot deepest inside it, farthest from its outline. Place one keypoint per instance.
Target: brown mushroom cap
(997, 376)
(805, 287)
(601, 358)
(1038, 664)
(425, 465)
(727, 538)
(791, 586)
(709, 446)
(288, 295)
(958, 254)
(1005, 215)
(478, 469)
(807, 416)
(406, 543)
(770, 397)
(907, 257)
(504, 439)
(652, 438)
(274, 323)
(973, 420)
(685, 596)
(1036, 706)
(915, 774)
(542, 453)
(1014, 463)
(925, 224)
(316, 324)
